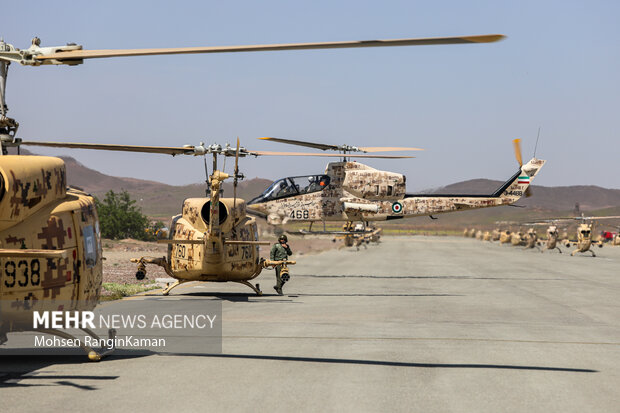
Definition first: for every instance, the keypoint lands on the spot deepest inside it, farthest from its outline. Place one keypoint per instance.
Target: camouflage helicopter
(584, 235)
(49, 235)
(356, 235)
(585, 229)
(531, 239)
(50, 254)
(495, 235)
(552, 239)
(352, 191)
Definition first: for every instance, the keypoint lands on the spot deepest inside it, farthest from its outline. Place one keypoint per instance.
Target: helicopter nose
(256, 210)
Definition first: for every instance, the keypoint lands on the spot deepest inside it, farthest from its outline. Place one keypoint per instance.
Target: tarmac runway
(413, 324)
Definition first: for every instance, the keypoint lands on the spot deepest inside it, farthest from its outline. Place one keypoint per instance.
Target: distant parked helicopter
(358, 234)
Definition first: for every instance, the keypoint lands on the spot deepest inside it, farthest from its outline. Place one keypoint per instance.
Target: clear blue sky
(558, 69)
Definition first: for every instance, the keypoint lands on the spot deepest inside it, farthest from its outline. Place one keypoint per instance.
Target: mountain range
(161, 200)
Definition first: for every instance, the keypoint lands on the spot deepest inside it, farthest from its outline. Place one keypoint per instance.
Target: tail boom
(430, 204)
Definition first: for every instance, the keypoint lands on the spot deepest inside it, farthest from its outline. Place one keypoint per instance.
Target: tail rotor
(517, 147)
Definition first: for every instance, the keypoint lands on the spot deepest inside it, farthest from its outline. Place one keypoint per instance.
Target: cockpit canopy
(292, 186)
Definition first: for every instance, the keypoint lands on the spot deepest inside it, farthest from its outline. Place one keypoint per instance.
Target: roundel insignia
(397, 207)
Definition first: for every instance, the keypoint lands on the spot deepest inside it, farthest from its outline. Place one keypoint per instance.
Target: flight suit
(279, 253)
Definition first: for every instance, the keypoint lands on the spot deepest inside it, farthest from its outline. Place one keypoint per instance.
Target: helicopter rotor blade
(517, 147)
(342, 148)
(76, 55)
(168, 150)
(371, 149)
(321, 146)
(194, 150)
(327, 155)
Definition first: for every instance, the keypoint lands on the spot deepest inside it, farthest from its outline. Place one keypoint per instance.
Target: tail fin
(516, 186)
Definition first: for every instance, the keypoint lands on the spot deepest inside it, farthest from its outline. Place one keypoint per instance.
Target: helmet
(283, 238)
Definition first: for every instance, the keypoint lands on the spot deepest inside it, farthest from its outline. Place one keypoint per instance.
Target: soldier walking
(280, 252)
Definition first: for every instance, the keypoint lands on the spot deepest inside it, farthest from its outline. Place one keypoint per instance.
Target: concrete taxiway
(413, 324)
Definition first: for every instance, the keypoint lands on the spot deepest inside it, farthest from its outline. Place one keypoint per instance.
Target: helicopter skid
(93, 355)
(166, 291)
(256, 288)
(572, 254)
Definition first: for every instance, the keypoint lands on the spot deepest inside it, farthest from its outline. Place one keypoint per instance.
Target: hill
(557, 198)
(154, 198)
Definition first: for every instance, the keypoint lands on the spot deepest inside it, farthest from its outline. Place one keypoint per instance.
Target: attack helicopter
(352, 191)
(50, 249)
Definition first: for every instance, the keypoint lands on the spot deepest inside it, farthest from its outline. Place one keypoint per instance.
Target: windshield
(291, 186)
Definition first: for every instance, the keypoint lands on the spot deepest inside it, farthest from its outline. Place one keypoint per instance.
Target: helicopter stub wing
(67, 56)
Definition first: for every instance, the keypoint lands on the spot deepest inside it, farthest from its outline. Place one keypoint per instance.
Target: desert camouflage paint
(38, 212)
(358, 192)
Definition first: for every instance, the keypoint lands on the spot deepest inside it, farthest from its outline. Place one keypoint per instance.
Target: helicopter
(50, 247)
(50, 256)
(358, 234)
(469, 233)
(505, 237)
(213, 239)
(552, 239)
(352, 191)
(531, 239)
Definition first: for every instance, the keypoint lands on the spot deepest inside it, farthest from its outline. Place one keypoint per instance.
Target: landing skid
(166, 290)
(572, 254)
(256, 288)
